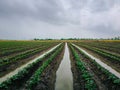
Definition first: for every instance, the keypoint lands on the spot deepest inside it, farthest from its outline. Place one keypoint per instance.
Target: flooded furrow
(99, 62)
(2, 79)
(64, 77)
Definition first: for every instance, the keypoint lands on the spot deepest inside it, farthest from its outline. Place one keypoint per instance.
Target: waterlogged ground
(64, 78)
(100, 62)
(23, 66)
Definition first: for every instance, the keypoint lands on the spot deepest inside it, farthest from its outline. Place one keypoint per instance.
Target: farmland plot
(90, 74)
(30, 50)
(54, 65)
(34, 76)
(111, 56)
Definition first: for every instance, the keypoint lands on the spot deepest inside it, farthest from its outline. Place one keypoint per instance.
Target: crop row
(36, 77)
(113, 45)
(21, 56)
(109, 49)
(17, 50)
(8, 45)
(98, 45)
(22, 48)
(36, 68)
(110, 80)
(89, 82)
(109, 46)
(110, 56)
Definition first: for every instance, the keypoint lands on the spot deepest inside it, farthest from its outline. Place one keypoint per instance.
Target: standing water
(12, 73)
(64, 78)
(110, 69)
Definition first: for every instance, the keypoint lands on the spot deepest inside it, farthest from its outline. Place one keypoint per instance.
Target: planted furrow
(105, 54)
(85, 79)
(19, 80)
(104, 79)
(109, 58)
(11, 63)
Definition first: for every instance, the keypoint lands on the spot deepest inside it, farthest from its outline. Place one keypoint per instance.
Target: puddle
(100, 62)
(23, 66)
(64, 78)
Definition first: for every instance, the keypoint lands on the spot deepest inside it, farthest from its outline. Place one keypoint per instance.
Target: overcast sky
(28, 19)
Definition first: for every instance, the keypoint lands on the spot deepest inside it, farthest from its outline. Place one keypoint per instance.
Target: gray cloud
(26, 19)
(43, 10)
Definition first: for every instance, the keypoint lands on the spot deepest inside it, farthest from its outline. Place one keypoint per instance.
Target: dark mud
(48, 77)
(8, 68)
(102, 81)
(78, 81)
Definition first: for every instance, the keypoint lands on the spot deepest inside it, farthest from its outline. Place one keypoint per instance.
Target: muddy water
(100, 62)
(64, 78)
(25, 65)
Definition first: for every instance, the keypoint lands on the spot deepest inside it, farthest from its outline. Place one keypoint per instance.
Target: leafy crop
(110, 56)
(89, 82)
(36, 77)
(111, 77)
(24, 55)
(24, 72)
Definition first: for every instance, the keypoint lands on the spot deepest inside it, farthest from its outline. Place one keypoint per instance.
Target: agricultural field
(13, 54)
(93, 74)
(60, 65)
(107, 51)
(59, 44)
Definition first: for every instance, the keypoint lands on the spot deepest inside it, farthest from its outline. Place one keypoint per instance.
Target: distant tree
(62, 39)
(36, 39)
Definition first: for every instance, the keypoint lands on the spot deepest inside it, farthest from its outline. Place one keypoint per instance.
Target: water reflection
(25, 65)
(100, 62)
(64, 79)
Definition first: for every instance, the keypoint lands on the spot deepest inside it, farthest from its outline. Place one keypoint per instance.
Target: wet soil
(93, 70)
(114, 65)
(48, 77)
(78, 81)
(100, 78)
(8, 68)
(64, 79)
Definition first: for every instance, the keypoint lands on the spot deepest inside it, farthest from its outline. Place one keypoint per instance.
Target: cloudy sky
(28, 19)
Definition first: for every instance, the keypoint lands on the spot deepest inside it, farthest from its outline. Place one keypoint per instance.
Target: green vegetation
(10, 47)
(26, 50)
(103, 53)
(89, 82)
(36, 77)
(21, 56)
(14, 54)
(108, 45)
(109, 77)
(17, 79)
